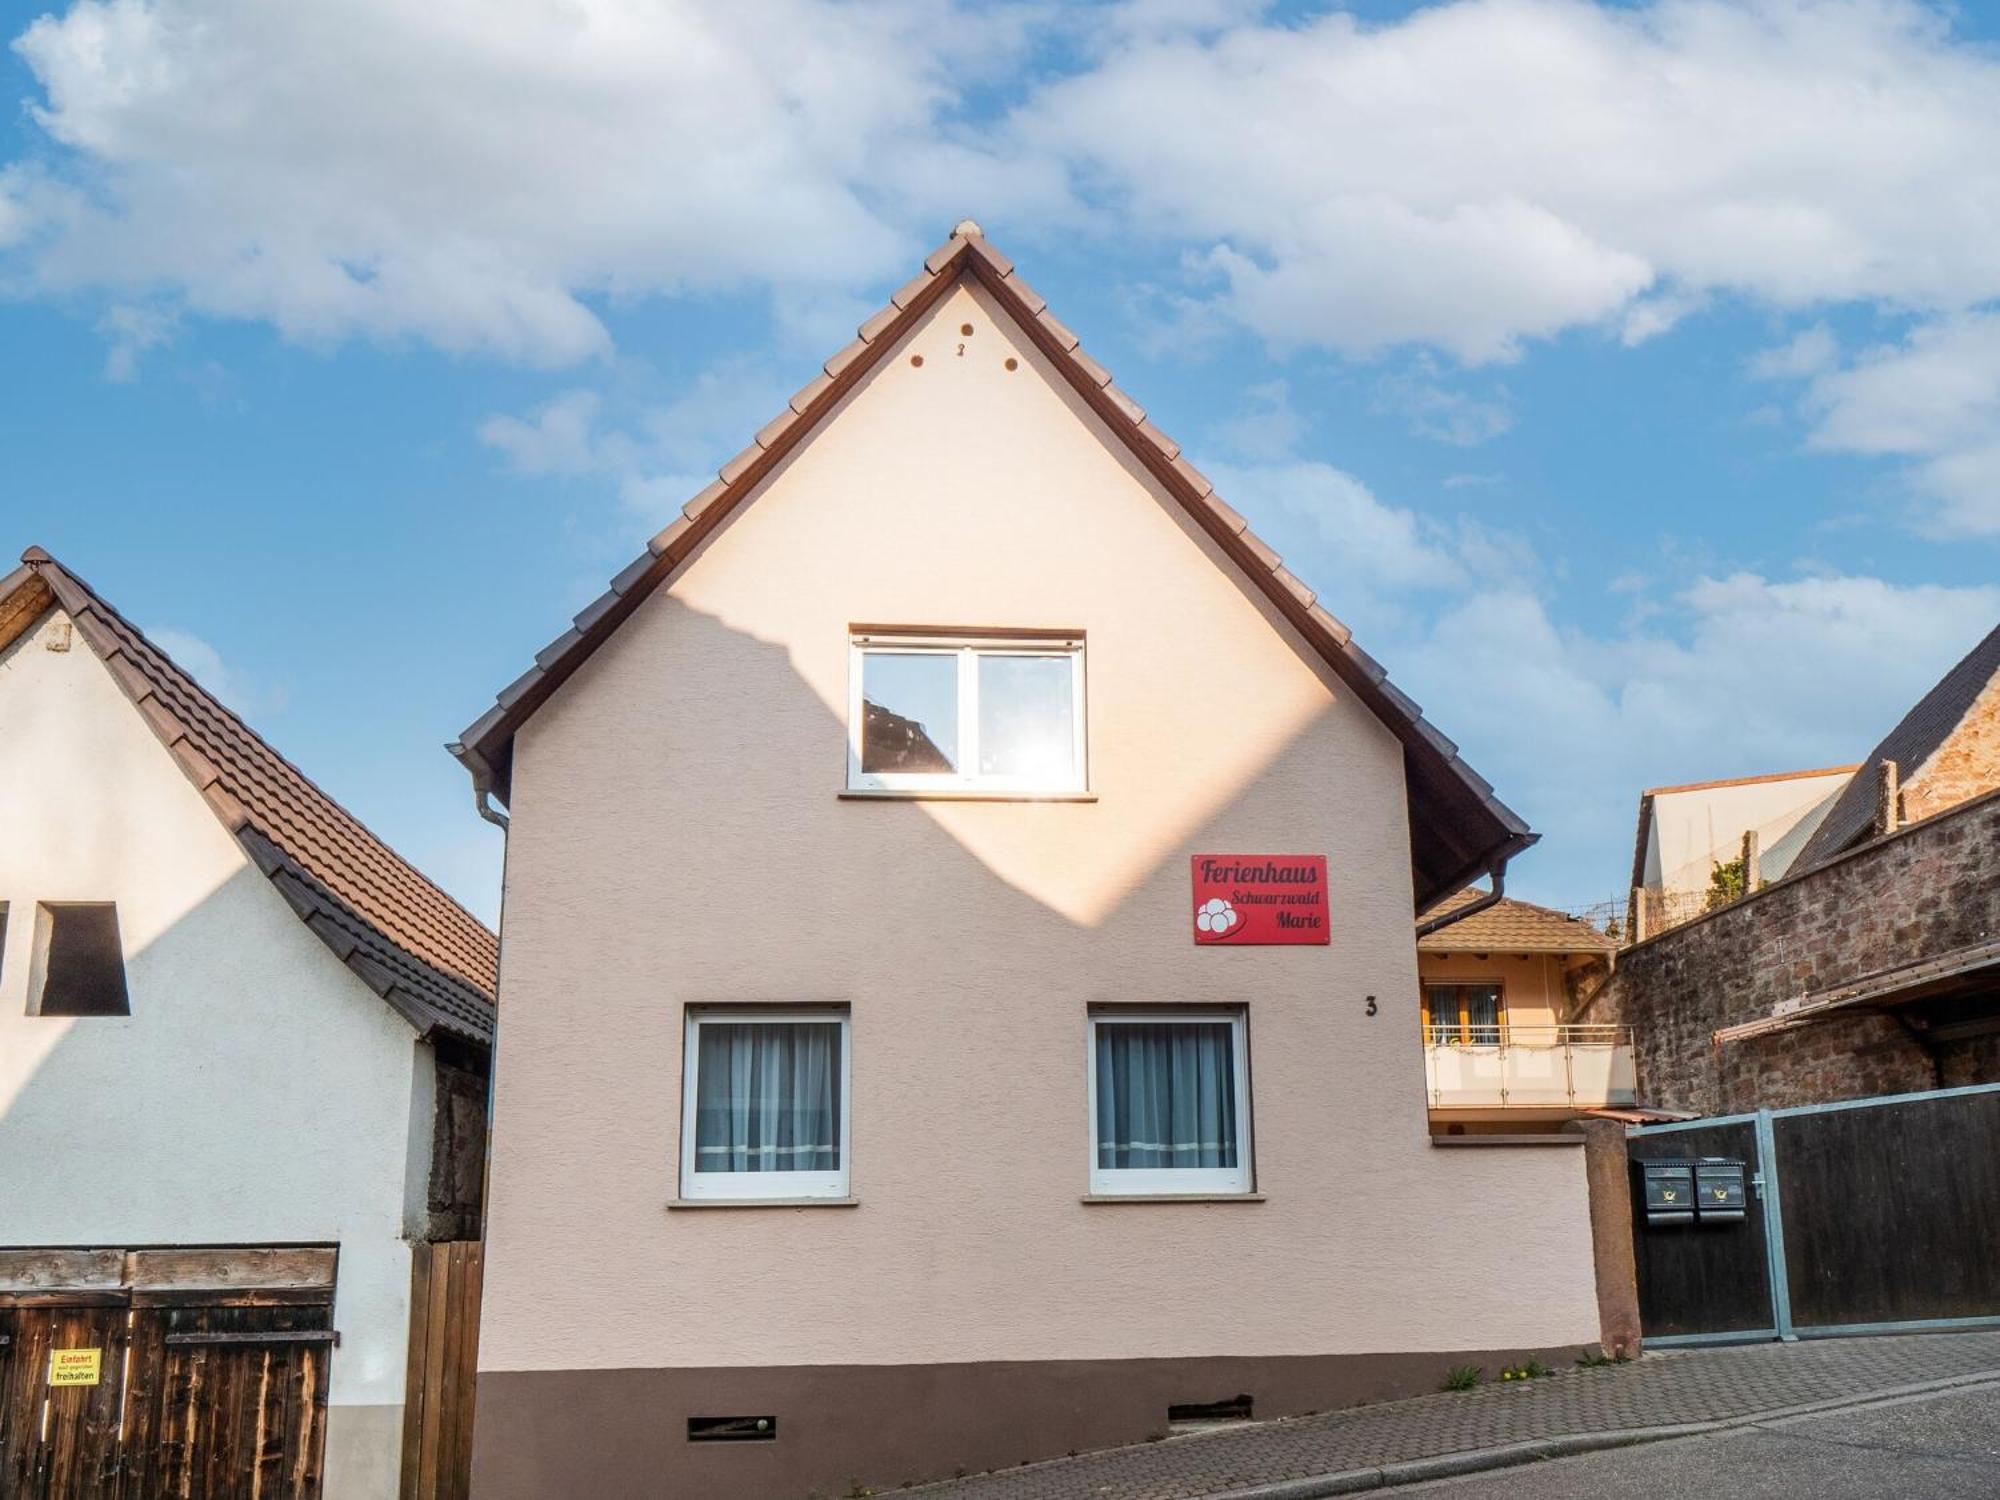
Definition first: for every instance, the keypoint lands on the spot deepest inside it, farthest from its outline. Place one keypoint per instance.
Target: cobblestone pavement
(1660, 1390)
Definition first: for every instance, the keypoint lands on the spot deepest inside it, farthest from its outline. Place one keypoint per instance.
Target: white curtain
(767, 1097)
(1166, 1094)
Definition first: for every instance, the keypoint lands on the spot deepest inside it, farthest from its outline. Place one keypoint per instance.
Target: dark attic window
(79, 965)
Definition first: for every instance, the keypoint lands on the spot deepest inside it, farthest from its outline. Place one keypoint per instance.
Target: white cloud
(1490, 171)
(1731, 675)
(476, 174)
(1434, 409)
(1480, 173)
(1933, 399)
(1724, 674)
(1268, 426)
(1366, 555)
(1812, 351)
(559, 437)
(131, 331)
(204, 663)
(655, 454)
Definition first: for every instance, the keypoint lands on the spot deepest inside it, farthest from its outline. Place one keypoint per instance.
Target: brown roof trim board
(427, 956)
(1459, 829)
(1646, 802)
(1768, 776)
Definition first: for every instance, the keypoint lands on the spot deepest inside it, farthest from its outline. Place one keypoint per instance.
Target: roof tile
(1193, 477)
(1057, 330)
(771, 431)
(811, 391)
(1167, 446)
(841, 358)
(1134, 412)
(1510, 926)
(738, 466)
(667, 538)
(912, 289)
(632, 574)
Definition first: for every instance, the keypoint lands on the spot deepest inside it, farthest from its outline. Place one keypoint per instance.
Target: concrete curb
(1536, 1450)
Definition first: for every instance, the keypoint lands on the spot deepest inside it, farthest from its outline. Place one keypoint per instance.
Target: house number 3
(1371, 1005)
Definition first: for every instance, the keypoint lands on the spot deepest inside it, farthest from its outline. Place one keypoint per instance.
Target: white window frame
(1173, 1181)
(752, 1186)
(967, 650)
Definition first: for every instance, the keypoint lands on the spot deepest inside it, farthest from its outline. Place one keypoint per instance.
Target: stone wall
(1926, 889)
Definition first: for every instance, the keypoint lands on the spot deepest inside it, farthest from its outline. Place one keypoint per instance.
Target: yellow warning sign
(76, 1366)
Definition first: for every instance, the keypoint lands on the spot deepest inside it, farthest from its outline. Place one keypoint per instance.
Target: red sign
(1260, 899)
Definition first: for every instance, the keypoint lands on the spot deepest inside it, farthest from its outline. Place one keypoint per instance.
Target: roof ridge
(1434, 767)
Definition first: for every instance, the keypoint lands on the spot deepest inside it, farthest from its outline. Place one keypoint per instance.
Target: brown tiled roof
(1458, 828)
(1909, 745)
(418, 949)
(1510, 926)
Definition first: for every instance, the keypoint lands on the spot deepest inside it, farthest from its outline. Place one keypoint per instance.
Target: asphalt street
(1937, 1447)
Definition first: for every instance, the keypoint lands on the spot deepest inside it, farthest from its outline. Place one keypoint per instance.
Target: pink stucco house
(881, 1094)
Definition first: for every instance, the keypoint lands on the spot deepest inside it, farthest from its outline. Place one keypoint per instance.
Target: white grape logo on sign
(1216, 916)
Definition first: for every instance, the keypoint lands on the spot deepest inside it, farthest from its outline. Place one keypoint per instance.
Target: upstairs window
(79, 962)
(942, 714)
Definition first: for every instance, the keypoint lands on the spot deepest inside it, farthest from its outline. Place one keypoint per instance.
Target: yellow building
(1500, 990)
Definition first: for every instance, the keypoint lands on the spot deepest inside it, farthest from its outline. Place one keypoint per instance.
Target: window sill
(1172, 1198)
(1552, 1139)
(676, 1204)
(955, 794)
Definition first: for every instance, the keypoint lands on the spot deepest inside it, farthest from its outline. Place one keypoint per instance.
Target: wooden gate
(123, 1378)
(1865, 1216)
(444, 1361)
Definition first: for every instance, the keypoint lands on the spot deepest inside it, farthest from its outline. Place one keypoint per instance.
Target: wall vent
(732, 1429)
(1207, 1413)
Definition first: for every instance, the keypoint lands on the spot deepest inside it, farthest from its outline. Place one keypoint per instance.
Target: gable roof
(422, 952)
(1510, 926)
(1458, 828)
(1909, 745)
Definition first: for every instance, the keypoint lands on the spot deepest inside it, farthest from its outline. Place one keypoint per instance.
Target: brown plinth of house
(840, 1429)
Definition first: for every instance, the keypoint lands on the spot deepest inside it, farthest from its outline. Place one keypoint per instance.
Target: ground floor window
(1464, 1014)
(1169, 1102)
(765, 1104)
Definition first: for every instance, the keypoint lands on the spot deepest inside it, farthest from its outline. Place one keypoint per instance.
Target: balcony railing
(1529, 1067)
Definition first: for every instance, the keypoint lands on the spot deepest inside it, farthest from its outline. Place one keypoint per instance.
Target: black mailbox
(1666, 1192)
(1718, 1191)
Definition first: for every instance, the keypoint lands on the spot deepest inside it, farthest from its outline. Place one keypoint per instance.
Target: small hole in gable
(917, 360)
(1013, 363)
(965, 329)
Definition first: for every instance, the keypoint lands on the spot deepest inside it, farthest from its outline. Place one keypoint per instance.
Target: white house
(243, 1051)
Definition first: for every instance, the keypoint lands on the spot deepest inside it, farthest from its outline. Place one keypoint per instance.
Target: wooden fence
(444, 1360)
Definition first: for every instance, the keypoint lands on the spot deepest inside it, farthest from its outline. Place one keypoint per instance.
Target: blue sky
(1627, 376)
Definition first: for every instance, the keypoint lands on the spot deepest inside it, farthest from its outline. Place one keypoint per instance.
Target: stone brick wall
(1966, 765)
(1924, 890)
